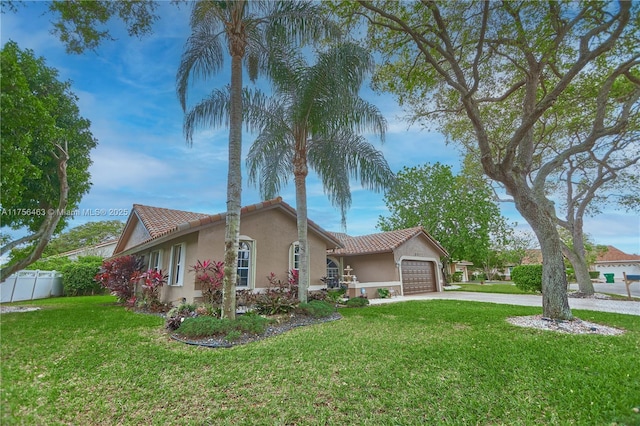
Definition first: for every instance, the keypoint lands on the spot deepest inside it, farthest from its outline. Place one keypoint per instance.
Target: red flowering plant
(280, 296)
(120, 276)
(152, 282)
(209, 275)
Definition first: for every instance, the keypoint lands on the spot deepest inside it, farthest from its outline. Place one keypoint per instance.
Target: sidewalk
(615, 306)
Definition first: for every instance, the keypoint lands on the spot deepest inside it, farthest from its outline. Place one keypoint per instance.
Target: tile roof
(615, 255)
(382, 242)
(160, 221)
(532, 257)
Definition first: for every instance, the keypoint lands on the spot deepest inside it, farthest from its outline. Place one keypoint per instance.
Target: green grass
(87, 361)
(506, 288)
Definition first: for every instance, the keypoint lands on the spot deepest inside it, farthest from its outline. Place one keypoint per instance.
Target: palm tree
(313, 120)
(244, 26)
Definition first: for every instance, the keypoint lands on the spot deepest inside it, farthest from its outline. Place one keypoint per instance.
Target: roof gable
(382, 242)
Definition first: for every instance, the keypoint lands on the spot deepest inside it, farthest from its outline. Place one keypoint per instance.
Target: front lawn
(87, 361)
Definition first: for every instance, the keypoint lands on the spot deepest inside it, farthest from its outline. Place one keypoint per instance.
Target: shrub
(279, 298)
(457, 277)
(152, 283)
(479, 276)
(316, 309)
(50, 264)
(383, 293)
(77, 278)
(528, 277)
(177, 315)
(120, 275)
(97, 260)
(594, 274)
(209, 275)
(232, 329)
(317, 295)
(357, 302)
(335, 295)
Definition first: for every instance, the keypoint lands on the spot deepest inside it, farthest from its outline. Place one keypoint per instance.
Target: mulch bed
(272, 330)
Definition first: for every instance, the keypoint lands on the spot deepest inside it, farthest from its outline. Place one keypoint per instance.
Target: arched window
(333, 273)
(244, 264)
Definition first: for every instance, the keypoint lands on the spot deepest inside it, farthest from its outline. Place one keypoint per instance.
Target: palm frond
(270, 162)
(202, 57)
(212, 111)
(344, 155)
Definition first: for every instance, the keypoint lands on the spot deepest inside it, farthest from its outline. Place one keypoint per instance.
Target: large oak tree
(501, 67)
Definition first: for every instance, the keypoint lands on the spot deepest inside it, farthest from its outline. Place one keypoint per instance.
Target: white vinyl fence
(30, 285)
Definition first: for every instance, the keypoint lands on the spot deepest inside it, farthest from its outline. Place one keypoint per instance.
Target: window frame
(157, 265)
(251, 263)
(176, 277)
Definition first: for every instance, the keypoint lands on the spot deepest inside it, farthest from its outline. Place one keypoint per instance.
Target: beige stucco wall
(174, 294)
(381, 268)
(417, 246)
(272, 233)
(373, 267)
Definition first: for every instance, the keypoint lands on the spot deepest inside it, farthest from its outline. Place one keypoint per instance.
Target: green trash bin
(609, 278)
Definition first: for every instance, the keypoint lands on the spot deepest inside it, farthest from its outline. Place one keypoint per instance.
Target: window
(332, 269)
(294, 256)
(244, 264)
(333, 273)
(176, 271)
(155, 260)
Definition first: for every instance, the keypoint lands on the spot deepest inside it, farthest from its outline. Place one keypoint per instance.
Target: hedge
(78, 278)
(528, 277)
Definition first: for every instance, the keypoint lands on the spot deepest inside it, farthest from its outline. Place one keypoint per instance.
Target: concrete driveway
(615, 306)
(617, 287)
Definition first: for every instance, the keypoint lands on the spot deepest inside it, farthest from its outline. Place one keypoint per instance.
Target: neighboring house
(104, 250)
(615, 261)
(461, 266)
(405, 261)
(174, 240)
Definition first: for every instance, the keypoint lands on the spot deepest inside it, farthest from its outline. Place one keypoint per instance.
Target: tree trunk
(581, 270)
(580, 262)
(300, 176)
(555, 304)
(234, 191)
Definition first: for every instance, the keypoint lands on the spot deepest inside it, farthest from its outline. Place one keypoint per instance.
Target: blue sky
(127, 90)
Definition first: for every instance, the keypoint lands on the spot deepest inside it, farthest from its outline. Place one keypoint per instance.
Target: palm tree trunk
(300, 177)
(234, 192)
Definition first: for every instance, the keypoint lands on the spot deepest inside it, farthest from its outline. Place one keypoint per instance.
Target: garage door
(418, 276)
